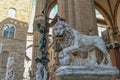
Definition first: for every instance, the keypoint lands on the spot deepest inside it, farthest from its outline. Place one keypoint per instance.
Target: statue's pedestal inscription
(86, 73)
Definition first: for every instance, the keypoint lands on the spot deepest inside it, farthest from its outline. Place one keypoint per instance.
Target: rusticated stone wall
(23, 9)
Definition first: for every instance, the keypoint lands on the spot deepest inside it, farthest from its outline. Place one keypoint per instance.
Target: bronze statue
(42, 45)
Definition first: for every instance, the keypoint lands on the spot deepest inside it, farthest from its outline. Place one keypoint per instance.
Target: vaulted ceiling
(109, 5)
(110, 9)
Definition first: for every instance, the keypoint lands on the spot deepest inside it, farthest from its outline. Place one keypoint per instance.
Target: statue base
(86, 73)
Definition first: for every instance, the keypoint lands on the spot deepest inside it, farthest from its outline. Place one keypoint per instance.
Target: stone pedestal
(86, 73)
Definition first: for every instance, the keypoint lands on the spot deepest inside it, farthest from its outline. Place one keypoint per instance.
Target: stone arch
(29, 46)
(104, 13)
(53, 13)
(103, 23)
(108, 21)
(118, 18)
(117, 13)
(51, 5)
(9, 31)
(102, 27)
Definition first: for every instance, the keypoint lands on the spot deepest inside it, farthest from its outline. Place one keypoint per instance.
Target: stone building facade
(14, 46)
(13, 31)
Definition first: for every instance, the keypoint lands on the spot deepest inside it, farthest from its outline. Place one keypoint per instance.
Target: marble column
(79, 13)
(71, 14)
(85, 16)
(63, 9)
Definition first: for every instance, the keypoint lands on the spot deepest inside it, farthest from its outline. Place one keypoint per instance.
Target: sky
(98, 15)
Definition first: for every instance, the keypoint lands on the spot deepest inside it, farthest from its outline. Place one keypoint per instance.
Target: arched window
(102, 27)
(12, 13)
(9, 31)
(53, 12)
(11, 34)
(98, 14)
(6, 31)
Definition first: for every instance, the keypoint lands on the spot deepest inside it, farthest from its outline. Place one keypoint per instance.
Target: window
(11, 34)
(9, 31)
(98, 14)
(12, 13)
(53, 12)
(6, 31)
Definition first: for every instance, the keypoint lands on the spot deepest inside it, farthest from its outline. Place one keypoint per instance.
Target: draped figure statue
(10, 70)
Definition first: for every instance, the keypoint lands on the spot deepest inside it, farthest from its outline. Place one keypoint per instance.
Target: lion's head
(63, 35)
(60, 28)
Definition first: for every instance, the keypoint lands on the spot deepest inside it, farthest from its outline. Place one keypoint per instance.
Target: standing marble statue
(41, 73)
(9, 70)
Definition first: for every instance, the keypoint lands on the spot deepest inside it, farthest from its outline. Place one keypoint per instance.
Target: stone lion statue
(74, 48)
